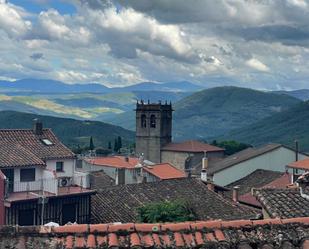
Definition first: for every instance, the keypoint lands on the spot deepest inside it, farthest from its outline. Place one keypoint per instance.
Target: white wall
(275, 160)
(24, 186)
(68, 167)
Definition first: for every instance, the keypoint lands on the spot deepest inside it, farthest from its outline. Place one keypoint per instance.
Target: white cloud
(258, 65)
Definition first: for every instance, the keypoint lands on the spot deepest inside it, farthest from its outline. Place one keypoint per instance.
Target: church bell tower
(153, 129)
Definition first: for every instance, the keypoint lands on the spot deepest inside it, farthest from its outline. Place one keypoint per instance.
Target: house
(242, 234)
(40, 183)
(297, 168)
(188, 154)
(260, 178)
(154, 138)
(285, 203)
(273, 157)
(120, 203)
(128, 170)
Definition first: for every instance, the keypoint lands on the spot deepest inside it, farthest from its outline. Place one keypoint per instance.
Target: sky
(261, 44)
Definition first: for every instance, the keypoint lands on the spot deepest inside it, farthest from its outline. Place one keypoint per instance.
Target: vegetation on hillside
(74, 133)
(284, 127)
(231, 146)
(166, 211)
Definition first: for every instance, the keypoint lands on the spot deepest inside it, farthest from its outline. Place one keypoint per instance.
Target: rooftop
(191, 146)
(241, 156)
(165, 171)
(120, 203)
(258, 179)
(283, 203)
(244, 234)
(114, 161)
(33, 143)
(302, 164)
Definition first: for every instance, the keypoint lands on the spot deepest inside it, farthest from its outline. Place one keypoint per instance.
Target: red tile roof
(114, 161)
(165, 171)
(302, 164)
(191, 146)
(269, 233)
(281, 182)
(34, 143)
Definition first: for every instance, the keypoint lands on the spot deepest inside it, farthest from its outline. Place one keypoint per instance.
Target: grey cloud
(36, 56)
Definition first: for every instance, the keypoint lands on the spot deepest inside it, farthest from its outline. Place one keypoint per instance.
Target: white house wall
(68, 167)
(275, 160)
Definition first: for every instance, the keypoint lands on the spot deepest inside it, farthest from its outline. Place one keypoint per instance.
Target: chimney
(37, 127)
(126, 158)
(204, 168)
(210, 185)
(235, 193)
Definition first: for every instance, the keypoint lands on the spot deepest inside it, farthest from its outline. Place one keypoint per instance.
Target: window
(143, 121)
(59, 166)
(153, 121)
(27, 175)
(47, 141)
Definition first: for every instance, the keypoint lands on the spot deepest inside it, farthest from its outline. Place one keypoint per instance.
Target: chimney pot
(235, 193)
(126, 158)
(37, 127)
(210, 185)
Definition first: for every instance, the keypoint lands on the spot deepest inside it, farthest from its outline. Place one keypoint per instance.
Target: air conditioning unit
(64, 181)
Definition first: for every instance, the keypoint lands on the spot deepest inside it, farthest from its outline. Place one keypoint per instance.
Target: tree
(109, 145)
(119, 142)
(166, 211)
(91, 145)
(116, 148)
(231, 147)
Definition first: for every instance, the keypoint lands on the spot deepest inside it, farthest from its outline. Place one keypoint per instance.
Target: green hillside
(283, 127)
(70, 131)
(215, 111)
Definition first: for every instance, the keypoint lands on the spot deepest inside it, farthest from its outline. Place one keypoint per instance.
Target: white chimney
(235, 193)
(204, 168)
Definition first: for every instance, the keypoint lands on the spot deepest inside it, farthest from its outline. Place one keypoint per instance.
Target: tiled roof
(100, 180)
(191, 146)
(15, 155)
(241, 156)
(164, 171)
(120, 203)
(114, 161)
(258, 179)
(242, 234)
(302, 164)
(283, 203)
(33, 143)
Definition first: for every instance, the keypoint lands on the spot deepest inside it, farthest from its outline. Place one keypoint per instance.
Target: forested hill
(70, 131)
(284, 127)
(215, 111)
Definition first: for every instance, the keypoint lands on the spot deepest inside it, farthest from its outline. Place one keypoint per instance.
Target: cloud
(36, 56)
(258, 65)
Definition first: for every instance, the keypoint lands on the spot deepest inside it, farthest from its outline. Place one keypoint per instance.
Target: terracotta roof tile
(302, 164)
(34, 143)
(114, 161)
(165, 171)
(239, 234)
(191, 146)
(120, 203)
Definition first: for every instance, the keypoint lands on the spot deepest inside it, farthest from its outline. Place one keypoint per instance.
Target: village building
(121, 203)
(39, 183)
(130, 170)
(240, 190)
(273, 157)
(154, 139)
(241, 234)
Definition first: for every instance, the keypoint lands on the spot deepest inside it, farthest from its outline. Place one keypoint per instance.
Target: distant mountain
(51, 87)
(182, 86)
(70, 131)
(302, 94)
(215, 111)
(284, 127)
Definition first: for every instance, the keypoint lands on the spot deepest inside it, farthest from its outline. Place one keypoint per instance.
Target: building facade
(153, 129)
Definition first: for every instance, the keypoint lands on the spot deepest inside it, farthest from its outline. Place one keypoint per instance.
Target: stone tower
(153, 129)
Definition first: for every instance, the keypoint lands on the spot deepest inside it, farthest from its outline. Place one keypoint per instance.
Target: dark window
(27, 175)
(143, 121)
(26, 217)
(59, 166)
(153, 121)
